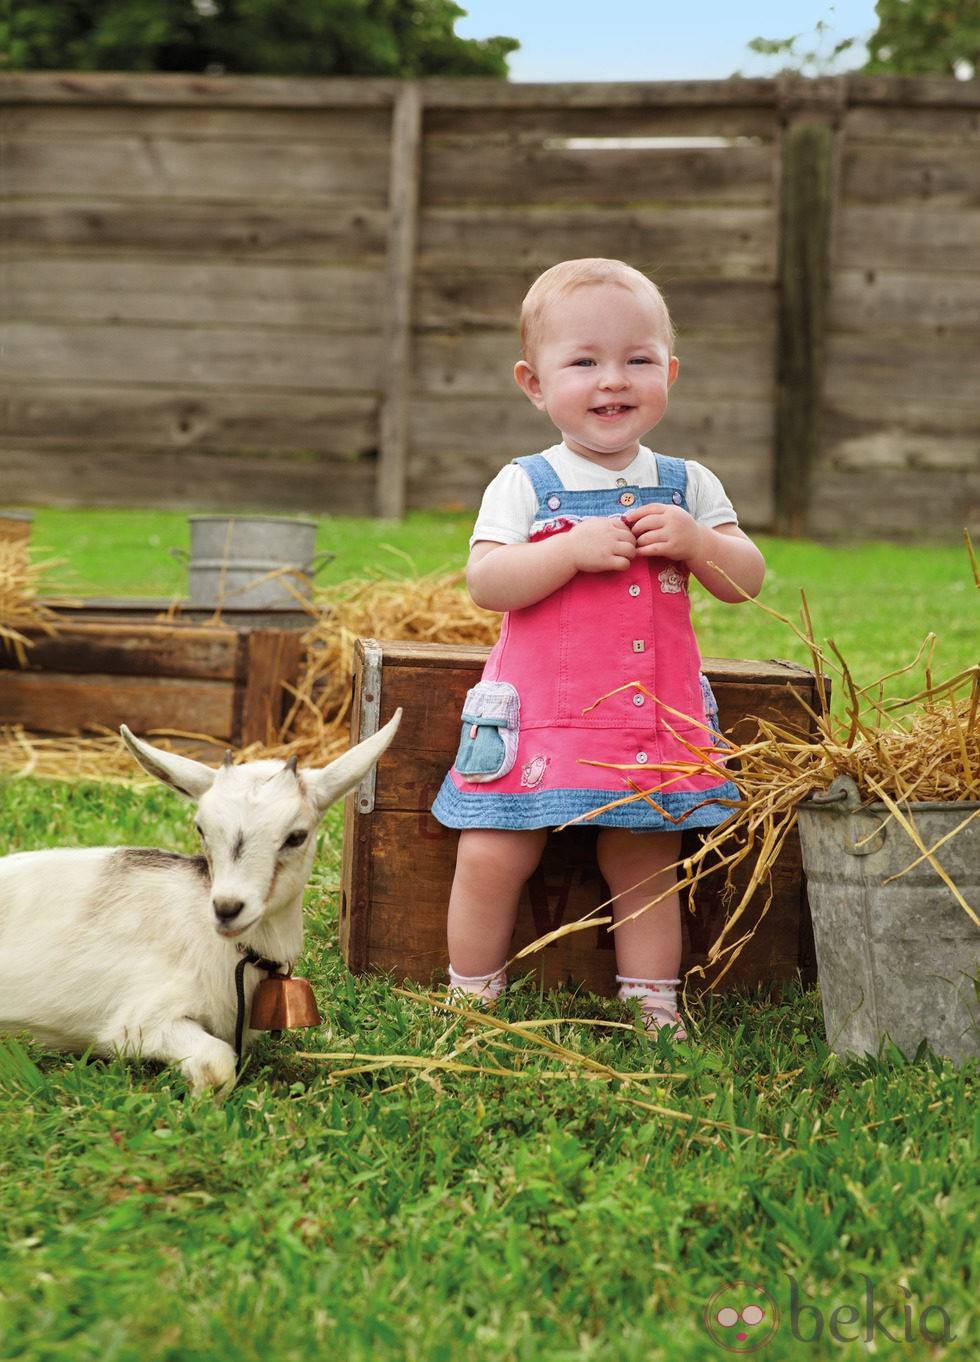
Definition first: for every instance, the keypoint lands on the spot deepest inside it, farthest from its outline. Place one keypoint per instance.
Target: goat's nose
(226, 910)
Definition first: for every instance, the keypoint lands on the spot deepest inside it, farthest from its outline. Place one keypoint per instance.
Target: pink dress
(593, 693)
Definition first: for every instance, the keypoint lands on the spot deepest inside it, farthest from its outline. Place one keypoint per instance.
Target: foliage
(407, 38)
(811, 54)
(913, 38)
(926, 38)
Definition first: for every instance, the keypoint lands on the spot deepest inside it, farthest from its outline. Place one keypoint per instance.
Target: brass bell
(282, 1003)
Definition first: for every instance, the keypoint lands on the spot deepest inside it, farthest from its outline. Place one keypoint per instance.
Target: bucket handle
(842, 796)
(319, 561)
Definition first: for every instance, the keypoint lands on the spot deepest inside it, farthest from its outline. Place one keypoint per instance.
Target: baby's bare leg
(492, 867)
(635, 865)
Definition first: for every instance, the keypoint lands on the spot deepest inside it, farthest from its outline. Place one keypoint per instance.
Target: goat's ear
(330, 783)
(191, 778)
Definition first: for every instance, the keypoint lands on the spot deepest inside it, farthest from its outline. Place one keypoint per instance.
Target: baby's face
(601, 369)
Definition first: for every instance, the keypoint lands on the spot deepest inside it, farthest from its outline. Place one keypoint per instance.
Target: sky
(608, 40)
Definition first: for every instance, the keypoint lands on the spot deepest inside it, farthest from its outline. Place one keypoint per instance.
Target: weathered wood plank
(860, 368)
(913, 123)
(210, 357)
(342, 425)
(929, 176)
(849, 414)
(175, 650)
(878, 300)
(48, 702)
(910, 239)
(897, 446)
(266, 659)
(202, 122)
(287, 232)
(550, 122)
(88, 475)
(216, 293)
(919, 92)
(196, 91)
(480, 173)
(729, 242)
(898, 503)
(171, 169)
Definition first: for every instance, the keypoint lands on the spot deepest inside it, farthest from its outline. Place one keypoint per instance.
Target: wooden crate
(398, 860)
(211, 680)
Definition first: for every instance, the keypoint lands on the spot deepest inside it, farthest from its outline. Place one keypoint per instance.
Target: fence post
(805, 215)
(403, 202)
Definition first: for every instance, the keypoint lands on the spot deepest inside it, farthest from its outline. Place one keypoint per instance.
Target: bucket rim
(269, 519)
(814, 805)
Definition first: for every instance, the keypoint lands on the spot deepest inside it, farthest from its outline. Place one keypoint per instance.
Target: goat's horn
(292, 764)
(229, 759)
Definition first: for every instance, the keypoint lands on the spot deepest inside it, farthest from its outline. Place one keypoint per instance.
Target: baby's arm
(671, 532)
(511, 576)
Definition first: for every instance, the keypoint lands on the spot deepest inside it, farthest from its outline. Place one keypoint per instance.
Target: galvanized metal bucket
(897, 956)
(252, 562)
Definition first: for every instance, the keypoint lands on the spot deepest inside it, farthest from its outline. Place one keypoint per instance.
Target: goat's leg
(205, 1061)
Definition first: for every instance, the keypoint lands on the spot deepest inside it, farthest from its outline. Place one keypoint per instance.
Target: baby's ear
(529, 383)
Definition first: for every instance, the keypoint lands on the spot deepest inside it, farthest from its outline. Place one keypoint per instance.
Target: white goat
(134, 951)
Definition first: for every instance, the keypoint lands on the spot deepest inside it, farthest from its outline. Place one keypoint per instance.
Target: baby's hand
(665, 532)
(602, 545)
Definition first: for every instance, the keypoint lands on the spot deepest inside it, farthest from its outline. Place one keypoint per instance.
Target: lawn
(403, 1183)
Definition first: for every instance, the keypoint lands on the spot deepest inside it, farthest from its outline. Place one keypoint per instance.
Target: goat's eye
(294, 840)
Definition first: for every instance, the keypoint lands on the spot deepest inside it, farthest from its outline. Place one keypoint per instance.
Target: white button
(620, 482)
(639, 646)
(634, 590)
(642, 758)
(639, 700)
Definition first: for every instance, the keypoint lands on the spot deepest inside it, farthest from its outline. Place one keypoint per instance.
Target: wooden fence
(301, 295)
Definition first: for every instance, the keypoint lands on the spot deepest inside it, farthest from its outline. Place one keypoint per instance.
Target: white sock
(657, 999)
(485, 988)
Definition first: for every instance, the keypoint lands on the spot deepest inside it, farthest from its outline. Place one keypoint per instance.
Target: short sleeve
(707, 499)
(507, 509)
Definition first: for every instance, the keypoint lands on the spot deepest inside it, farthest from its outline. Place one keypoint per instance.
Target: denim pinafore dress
(593, 693)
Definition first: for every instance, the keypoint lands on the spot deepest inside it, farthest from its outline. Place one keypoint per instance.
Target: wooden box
(398, 861)
(209, 680)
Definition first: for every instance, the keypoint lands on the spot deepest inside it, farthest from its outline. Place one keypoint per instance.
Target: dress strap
(672, 472)
(543, 477)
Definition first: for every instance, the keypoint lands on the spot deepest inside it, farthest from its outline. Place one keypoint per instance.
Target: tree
(926, 38)
(256, 37)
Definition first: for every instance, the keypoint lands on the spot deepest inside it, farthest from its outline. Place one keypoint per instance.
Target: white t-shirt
(510, 502)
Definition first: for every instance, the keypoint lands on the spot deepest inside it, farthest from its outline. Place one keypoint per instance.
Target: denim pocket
(491, 723)
(710, 704)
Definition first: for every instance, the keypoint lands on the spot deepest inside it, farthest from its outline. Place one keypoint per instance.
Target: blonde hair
(562, 279)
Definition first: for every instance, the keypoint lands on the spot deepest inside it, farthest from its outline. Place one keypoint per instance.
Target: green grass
(538, 1216)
